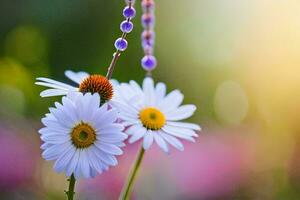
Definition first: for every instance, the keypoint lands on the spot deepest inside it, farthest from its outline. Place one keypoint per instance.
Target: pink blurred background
(238, 61)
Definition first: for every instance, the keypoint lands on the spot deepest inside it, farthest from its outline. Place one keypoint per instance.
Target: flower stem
(114, 61)
(126, 191)
(112, 64)
(70, 193)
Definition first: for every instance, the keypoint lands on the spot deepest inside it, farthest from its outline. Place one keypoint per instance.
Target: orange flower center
(97, 84)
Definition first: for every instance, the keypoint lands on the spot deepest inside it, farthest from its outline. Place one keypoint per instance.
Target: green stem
(70, 193)
(126, 191)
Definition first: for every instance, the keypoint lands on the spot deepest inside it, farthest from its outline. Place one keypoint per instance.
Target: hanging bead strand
(121, 43)
(148, 62)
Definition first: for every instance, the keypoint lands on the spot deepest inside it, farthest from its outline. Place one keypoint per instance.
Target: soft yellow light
(230, 102)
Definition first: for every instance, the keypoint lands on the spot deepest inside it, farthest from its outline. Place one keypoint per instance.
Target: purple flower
(18, 161)
(212, 168)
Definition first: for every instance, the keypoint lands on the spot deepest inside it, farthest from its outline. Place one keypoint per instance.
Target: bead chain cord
(148, 62)
(121, 44)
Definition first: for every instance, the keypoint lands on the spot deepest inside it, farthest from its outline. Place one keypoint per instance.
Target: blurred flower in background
(26, 44)
(18, 162)
(219, 165)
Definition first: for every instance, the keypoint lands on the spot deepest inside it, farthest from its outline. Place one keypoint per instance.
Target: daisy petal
(95, 163)
(136, 87)
(50, 85)
(45, 146)
(55, 138)
(126, 111)
(161, 142)
(64, 159)
(114, 82)
(171, 101)
(137, 135)
(113, 138)
(54, 83)
(135, 129)
(180, 135)
(104, 118)
(84, 165)
(109, 129)
(53, 92)
(70, 107)
(185, 125)
(160, 91)
(72, 164)
(129, 122)
(93, 172)
(148, 140)
(107, 158)
(76, 77)
(62, 118)
(109, 148)
(172, 141)
(54, 151)
(180, 113)
(54, 125)
(148, 88)
(182, 131)
(120, 144)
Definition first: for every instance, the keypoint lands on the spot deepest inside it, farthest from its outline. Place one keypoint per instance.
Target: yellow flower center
(83, 135)
(152, 118)
(97, 84)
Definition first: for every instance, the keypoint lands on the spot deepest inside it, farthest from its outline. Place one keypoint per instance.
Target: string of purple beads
(126, 26)
(148, 62)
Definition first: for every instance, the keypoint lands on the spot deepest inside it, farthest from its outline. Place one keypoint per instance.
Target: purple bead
(129, 12)
(121, 44)
(147, 20)
(147, 4)
(148, 38)
(148, 62)
(126, 26)
(148, 50)
(148, 35)
(147, 43)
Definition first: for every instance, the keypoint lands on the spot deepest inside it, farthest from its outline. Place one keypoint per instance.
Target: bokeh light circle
(230, 103)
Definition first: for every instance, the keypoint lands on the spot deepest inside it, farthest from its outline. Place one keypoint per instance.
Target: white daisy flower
(154, 116)
(86, 83)
(82, 137)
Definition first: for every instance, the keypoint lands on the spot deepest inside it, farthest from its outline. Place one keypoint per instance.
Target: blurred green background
(237, 60)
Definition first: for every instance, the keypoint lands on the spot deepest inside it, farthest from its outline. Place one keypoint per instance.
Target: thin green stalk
(126, 191)
(70, 193)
